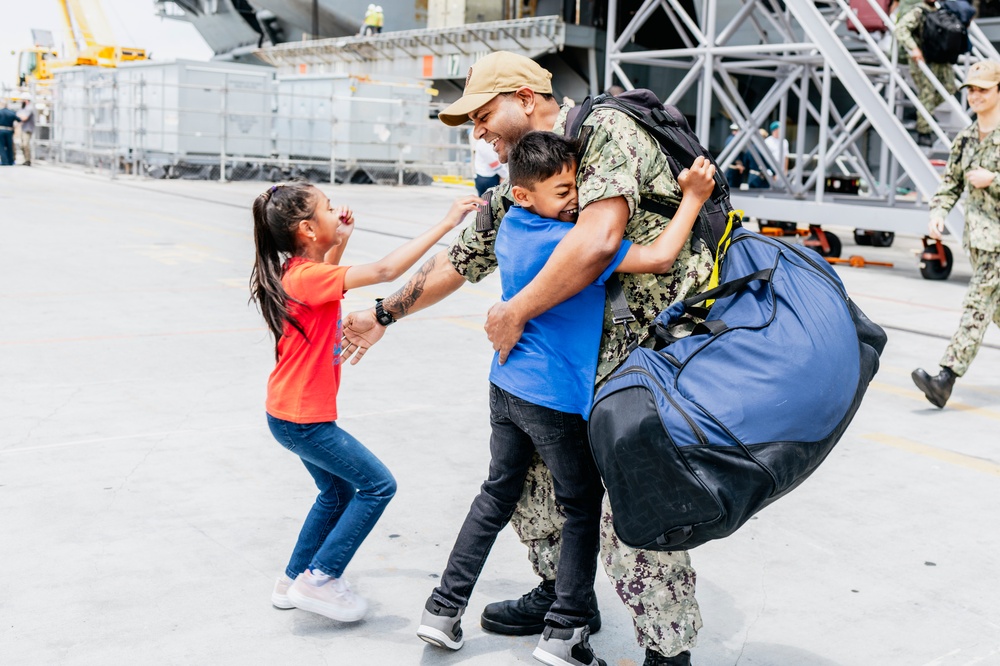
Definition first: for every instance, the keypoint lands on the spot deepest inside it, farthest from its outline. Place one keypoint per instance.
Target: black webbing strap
(620, 312)
(729, 288)
(714, 326)
(667, 210)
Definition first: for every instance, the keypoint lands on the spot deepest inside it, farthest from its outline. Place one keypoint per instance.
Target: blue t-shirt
(554, 364)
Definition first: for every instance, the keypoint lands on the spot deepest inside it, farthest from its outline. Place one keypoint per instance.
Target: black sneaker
(654, 658)
(526, 616)
(566, 647)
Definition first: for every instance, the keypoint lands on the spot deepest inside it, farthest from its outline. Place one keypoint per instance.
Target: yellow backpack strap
(720, 251)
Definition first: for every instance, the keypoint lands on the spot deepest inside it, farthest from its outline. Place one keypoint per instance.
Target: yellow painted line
(915, 394)
(492, 295)
(130, 336)
(473, 326)
(950, 457)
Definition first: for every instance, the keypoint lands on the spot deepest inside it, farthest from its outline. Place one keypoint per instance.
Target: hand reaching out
(462, 207)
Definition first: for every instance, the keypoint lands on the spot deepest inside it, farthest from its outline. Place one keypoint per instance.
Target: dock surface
(146, 509)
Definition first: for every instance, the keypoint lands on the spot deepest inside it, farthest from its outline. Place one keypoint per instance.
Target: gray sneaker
(441, 626)
(566, 647)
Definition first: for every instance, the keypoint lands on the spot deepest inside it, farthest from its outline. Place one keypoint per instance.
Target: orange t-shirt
(303, 386)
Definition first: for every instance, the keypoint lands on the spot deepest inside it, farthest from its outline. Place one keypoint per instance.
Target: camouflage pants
(656, 587)
(980, 306)
(927, 93)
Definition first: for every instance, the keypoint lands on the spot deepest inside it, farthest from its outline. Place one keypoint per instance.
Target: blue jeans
(354, 489)
(519, 428)
(6, 147)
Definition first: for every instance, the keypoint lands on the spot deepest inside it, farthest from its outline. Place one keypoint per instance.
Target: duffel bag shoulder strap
(621, 314)
(686, 308)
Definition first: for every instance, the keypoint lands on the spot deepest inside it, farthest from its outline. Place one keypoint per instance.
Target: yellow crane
(89, 41)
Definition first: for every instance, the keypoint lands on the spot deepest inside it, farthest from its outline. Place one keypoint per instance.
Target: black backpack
(668, 126)
(945, 36)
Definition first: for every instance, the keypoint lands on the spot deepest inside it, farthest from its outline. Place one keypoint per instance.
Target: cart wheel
(862, 238)
(812, 240)
(932, 269)
(883, 238)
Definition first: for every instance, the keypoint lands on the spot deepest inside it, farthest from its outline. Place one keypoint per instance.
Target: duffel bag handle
(686, 309)
(675, 537)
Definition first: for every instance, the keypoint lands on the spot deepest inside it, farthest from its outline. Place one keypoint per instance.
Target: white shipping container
(83, 108)
(183, 108)
(352, 118)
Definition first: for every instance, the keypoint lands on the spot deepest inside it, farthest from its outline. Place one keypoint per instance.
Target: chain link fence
(224, 121)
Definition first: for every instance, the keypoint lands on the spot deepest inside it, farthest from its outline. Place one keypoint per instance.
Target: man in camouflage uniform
(973, 167)
(909, 32)
(506, 96)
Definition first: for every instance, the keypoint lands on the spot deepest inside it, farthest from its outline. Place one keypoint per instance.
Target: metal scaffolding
(850, 97)
(436, 53)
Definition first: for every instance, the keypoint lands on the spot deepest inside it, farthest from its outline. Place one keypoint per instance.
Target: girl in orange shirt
(300, 300)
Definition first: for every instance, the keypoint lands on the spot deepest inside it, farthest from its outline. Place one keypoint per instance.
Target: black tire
(812, 240)
(931, 269)
(862, 238)
(883, 238)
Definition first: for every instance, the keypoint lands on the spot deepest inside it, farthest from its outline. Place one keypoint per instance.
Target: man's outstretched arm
(435, 280)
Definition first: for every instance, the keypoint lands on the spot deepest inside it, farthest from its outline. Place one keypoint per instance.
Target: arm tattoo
(400, 302)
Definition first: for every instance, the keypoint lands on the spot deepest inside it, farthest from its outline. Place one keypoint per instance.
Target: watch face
(383, 317)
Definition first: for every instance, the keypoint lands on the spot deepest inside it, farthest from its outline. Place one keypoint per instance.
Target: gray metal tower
(817, 69)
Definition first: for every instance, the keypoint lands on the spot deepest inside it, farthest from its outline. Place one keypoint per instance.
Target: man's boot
(937, 388)
(526, 616)
(654, 658)
(925, 140)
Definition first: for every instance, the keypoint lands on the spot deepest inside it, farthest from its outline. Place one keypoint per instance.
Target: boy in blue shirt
(541, 397)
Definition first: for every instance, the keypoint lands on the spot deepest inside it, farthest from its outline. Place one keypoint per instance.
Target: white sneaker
(326, 596)
(279, 596)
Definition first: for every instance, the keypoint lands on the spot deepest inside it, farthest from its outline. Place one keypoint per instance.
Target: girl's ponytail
(276, 214)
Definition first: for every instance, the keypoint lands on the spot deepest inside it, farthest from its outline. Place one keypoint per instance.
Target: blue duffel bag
(696, 435)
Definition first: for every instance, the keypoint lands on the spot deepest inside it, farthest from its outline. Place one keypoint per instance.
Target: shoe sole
(552, 660)
(438, 638)
(495, 627)
(510, 629)
(281, 602)
(320, 608)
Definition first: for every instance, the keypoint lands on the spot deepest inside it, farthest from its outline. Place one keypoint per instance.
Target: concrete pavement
(146, 508)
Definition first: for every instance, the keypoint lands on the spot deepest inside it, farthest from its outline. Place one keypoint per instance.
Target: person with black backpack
(919, 36)
(623, 174)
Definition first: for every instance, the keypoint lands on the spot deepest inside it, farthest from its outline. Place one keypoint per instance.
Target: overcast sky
(133, 22)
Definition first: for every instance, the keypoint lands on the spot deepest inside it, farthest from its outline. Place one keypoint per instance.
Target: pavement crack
(138, 464)
(51, 415)
(760, 612)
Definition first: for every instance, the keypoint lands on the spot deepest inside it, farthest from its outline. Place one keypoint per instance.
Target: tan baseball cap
(983, 74)
(496, 73)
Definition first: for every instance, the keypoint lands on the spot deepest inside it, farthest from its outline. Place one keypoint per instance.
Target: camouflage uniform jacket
(982, 205)
(621, 159)
(910, 27)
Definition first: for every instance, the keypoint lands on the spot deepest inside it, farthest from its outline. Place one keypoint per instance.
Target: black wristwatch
(381, 315)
